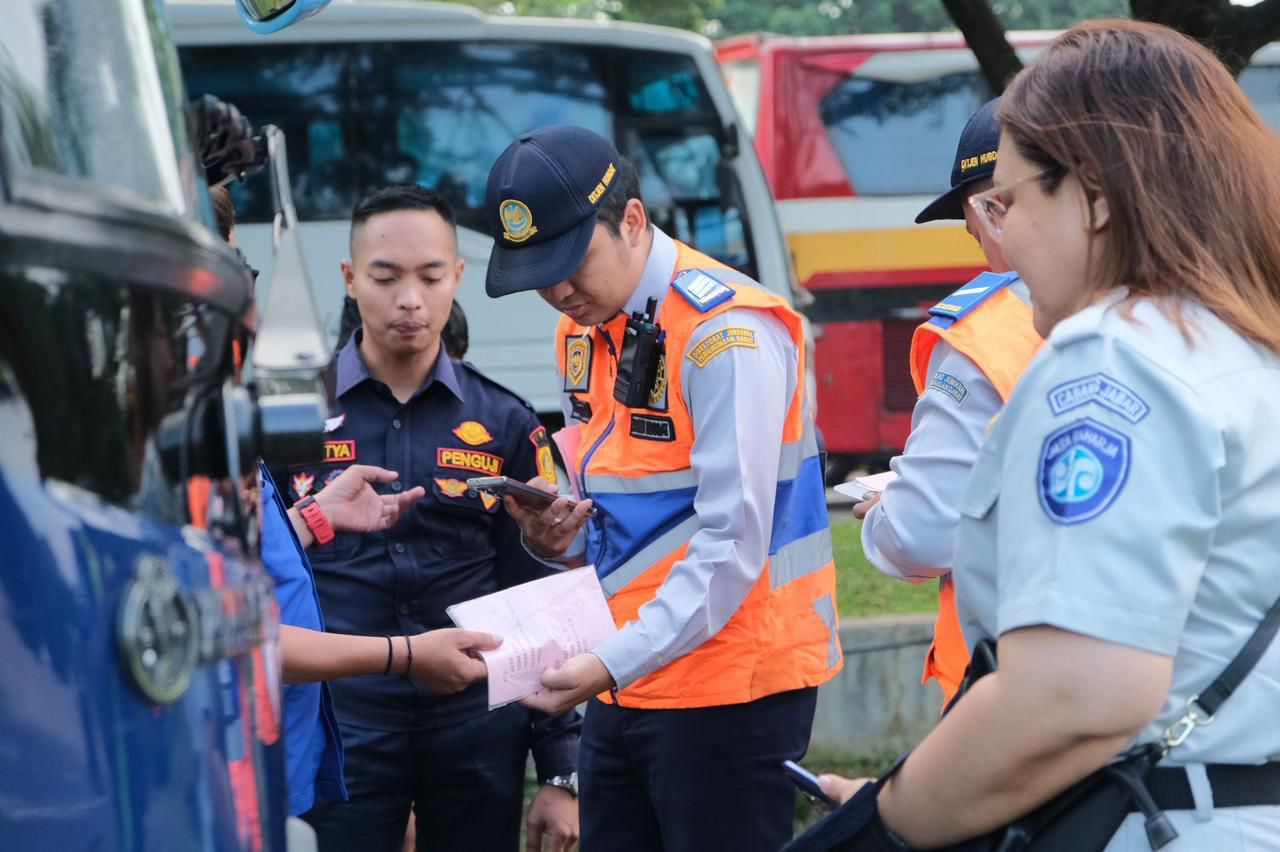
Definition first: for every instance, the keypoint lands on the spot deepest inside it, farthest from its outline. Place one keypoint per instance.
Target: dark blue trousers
(704, 779)
(465, 781)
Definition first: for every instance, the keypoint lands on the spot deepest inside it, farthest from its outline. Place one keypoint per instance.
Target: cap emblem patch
(517, 221)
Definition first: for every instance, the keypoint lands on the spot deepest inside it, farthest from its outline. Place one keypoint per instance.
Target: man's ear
(348, 276)
(635, 221)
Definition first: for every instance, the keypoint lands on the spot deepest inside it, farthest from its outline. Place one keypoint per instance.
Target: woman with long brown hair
(1120, 533)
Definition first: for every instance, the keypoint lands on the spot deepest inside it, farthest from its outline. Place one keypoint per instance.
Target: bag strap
(1201, 708)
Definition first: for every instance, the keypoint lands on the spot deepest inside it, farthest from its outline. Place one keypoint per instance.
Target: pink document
(542, 624)
(567, 441)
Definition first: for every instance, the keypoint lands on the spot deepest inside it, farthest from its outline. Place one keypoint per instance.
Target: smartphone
(807, 782)
(526, 495)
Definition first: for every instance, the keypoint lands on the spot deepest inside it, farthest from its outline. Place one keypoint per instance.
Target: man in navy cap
(683, 386)
(965, 360)
(401, 403)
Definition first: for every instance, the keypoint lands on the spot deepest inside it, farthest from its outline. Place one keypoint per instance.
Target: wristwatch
(316, 520)
(568, 783)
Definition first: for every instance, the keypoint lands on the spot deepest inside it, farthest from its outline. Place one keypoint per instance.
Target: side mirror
(270, 16)
(290, 352)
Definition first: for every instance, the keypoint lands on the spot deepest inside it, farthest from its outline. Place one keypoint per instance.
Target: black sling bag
(1082, 818)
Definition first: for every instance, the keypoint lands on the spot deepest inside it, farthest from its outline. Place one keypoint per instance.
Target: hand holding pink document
(542, 624)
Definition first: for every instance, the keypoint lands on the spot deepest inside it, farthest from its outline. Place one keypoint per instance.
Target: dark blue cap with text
(975, 160)
(541, 203)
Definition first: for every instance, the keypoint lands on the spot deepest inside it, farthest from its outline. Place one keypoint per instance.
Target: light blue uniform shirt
(1130, 492)
(910, 533)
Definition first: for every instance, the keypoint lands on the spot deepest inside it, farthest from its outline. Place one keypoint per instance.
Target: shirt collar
(659, 269)
(352, 370)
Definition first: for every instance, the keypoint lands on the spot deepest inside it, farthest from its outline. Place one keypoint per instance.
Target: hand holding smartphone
(807, 783)
(526, 495)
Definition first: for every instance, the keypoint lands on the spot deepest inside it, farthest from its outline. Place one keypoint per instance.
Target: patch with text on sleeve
(947, 384)
(1101, 389)
(1083, 467)
(721, 341)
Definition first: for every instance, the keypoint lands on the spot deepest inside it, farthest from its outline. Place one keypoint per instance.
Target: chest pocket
(461, 522)
(307, 481)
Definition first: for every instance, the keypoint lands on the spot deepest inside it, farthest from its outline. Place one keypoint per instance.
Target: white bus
(371, 93)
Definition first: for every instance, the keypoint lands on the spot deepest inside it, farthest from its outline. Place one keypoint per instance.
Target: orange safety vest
(992, 327)
(635, 464)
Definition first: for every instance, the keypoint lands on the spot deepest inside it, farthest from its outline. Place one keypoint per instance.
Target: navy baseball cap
(543, 195)
(975, 160)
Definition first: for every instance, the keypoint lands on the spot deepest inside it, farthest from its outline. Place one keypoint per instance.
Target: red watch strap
(316, 520)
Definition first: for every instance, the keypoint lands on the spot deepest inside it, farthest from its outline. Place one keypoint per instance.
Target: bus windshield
(360, 115)
(898, 138)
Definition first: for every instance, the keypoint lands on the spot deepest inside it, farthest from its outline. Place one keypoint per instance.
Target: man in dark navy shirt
(403, 404)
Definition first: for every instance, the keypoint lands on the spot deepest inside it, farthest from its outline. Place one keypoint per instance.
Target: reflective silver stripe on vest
(800, 558)
(795, 452)
(648, 484)
(651, 553)
(789, 460)
(826, 609)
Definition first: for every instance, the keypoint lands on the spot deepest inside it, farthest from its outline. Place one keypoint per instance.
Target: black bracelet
(387, 670)
(408, 645)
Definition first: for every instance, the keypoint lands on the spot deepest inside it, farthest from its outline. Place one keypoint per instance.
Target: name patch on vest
(719, 341)
(701, 290)
(651, 428)
(339, 451)
(1103, 390)
(577, 363)
(951, 386)
(472, 460)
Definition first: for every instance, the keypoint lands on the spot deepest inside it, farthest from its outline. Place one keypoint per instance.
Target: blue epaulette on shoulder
(953, 308)
(701, 289)
(475, 371)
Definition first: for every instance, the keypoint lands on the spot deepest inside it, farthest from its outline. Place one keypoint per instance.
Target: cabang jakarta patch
(1083, 468)
(1101, 389)
(473, 460)
(951, 386)
(720, 341)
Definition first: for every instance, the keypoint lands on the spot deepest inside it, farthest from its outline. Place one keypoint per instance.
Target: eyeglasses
(991, 207)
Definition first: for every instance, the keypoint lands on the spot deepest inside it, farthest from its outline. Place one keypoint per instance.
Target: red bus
(856, 134)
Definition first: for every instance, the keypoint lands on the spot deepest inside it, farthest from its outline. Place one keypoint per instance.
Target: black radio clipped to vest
(638, 361)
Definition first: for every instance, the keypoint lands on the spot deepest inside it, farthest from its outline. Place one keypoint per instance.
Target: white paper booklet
(542, 624)
(862, 487)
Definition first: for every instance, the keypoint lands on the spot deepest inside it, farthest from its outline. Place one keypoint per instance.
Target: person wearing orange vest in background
(711, 540)
(965, 361)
